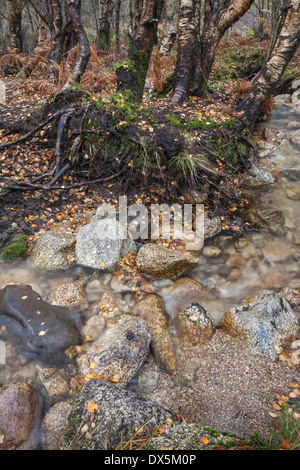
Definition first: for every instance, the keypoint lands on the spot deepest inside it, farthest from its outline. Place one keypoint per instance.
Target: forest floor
(153, 153)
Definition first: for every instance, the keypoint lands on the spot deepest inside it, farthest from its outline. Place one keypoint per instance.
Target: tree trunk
(117, 29)
(170, 37)
(216, 23)
(285, 47)
(131, 75)
(57, 42)
(187, 50)
(104, 25)
(14, 13)
(195, 59)
(84, 47)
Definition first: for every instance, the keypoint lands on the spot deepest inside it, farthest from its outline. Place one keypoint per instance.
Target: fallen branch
(34, 131)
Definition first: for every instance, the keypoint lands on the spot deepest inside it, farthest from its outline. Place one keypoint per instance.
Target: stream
(260, 261)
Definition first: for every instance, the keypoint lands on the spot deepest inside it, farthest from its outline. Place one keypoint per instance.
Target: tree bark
(84, 47)
(216, 23)
(104, 25)
(57, 42)
(196, 58)
(117, 26)
(131, 75)
(187, 50)
(14, 14)
(285, 47)
(170, 37)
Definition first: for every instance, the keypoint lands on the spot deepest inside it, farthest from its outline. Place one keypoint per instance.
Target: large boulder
(37, 329)
(53, 250)
(151, 309)
(161, 262)
(100, 245)
(262, 323)
(104, 416)
(119, 353)
(20, 415)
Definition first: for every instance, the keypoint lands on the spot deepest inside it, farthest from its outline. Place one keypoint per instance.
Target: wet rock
(236, 261)
(20, 415)
(151, 309)
(119, 353)
(262, 323)
(53, 250)
(37, 329)
(296, 98)
(191, 437)
(257, 177)
(293, 125)
(99, 245)
(295, 85)
(212, 226)
(194, 325)
(94, 328)
(54, 424)
(234, 275)
(52, 384)
(211, 251)
(117, 413)
(293, 193)
(69, 295)
(295, 136)
(163, 262)
(278, 250)
(270, 219)
(281, 100)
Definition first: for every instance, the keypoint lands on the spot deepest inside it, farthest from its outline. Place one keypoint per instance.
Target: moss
(15, 248)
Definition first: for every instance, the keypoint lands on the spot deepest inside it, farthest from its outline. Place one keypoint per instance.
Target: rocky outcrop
(161, 262)
(262, 323)
(104, 416)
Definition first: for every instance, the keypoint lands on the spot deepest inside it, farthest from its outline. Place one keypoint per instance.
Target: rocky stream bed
(194, 348)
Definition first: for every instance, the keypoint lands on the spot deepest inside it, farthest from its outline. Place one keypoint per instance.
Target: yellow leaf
(204, 440)
(92, 407)
(282, 357)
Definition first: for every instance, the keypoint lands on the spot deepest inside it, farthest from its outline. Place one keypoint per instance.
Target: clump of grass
(15, 248)
(286, 435)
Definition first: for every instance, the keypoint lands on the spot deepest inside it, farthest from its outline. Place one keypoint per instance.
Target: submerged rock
(53, 250)
(20, 414)
(163, 262)
(261, 322)
(69, 295)
(52, 384)
(116, 413)
(99, 245)
(257, 177)
(194, 325)
(152, 310)
(37, 329)
(119, 353)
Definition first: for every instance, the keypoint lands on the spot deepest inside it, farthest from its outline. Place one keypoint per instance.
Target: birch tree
(286, 45)
(14, 14)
